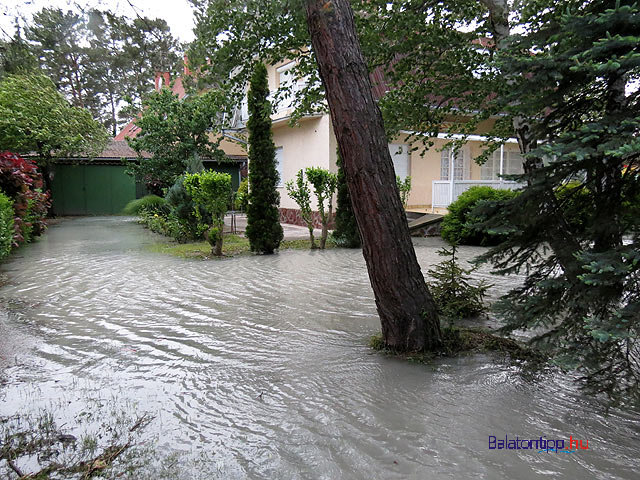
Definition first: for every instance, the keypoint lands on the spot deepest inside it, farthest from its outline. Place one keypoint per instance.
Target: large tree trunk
(407, 310)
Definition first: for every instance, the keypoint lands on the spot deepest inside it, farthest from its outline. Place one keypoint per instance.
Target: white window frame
(460, 162)
(285, 78)
(511, 161)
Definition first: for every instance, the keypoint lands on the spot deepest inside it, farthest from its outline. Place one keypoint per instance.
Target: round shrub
(242, 195)
(6, 225)
(577, 205)
(457, 225)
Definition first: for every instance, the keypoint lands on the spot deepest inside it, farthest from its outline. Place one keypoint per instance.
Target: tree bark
(325, 226)
(311, 237)
(407, 311)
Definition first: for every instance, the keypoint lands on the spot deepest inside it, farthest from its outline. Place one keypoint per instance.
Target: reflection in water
(262, 364)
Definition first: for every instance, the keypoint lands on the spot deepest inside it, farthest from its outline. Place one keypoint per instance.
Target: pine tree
(346, 233)
(582, 294)
(456, 296)
(263, 226)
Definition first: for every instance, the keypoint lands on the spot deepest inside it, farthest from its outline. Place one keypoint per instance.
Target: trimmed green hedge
(457, 224)
(6, 225)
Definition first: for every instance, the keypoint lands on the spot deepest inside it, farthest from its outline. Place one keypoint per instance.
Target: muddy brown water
(261, 366)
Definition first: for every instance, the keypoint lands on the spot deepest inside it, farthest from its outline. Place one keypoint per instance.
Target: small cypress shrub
(183, 211)
(242, 195)
(452, 290)
(346, 233)
(263, 218)
(6, 225)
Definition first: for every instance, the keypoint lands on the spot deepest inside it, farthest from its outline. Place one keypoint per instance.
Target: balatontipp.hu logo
(541, 445)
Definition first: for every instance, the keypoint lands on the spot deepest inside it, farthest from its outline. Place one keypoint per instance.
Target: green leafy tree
(346, 233)
(324, 186)
(211, 190)
(263, 218)
(300, 192)
(6, 225)
(35, 117)
(173, 131)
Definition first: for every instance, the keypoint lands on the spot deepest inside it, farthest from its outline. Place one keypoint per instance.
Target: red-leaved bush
(21, 181)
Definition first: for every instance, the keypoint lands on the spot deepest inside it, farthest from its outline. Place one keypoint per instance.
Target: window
(460, 165)
(512, 165)
(287, 80)
(400, 156)
(279, 162)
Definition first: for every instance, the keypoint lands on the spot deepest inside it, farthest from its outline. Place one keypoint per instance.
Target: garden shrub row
(6, 225)
(23, 202)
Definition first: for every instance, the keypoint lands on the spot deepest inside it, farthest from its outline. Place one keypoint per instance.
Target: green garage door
(91, 189)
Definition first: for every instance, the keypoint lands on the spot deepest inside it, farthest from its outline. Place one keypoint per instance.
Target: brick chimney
(186, 65)
(163, 79)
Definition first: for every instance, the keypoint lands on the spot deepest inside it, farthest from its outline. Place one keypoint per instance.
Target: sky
(177, 13)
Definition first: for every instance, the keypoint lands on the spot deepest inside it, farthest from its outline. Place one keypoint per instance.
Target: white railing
(444, 192)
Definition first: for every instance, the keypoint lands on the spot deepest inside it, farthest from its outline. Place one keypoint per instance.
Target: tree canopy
(99, 59)
(36, 118)
(173, 131)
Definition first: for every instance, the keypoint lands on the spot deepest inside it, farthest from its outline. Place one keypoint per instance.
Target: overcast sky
(177, 13)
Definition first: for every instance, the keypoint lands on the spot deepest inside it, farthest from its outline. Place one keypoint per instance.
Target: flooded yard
(260, 366)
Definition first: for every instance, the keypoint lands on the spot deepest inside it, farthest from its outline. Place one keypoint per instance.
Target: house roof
(120, 149)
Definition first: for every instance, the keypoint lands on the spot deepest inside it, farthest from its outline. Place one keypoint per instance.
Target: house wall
(232, 148)
(307, 145)
(426, 168)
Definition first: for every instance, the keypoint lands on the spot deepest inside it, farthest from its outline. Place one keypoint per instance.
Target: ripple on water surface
(262, 362)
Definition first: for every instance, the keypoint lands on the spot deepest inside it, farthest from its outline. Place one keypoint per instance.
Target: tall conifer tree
(581, 295)
(263, 226)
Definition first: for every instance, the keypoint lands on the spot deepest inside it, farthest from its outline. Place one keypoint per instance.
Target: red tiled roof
(379, 86)
(130, 130)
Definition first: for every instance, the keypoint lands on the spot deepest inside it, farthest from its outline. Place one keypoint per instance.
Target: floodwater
(260, 365)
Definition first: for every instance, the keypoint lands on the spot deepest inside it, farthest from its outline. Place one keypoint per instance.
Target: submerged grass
(233, 245)
(459, 341)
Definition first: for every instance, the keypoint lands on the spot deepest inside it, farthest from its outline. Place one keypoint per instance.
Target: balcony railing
(444, 192)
